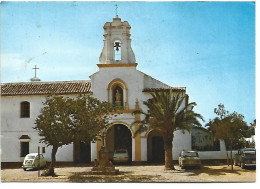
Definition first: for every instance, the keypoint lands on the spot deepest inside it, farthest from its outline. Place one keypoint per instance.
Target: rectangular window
(43, 150)
(24, 148)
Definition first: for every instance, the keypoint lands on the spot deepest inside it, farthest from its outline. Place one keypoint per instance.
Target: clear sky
(208, 47)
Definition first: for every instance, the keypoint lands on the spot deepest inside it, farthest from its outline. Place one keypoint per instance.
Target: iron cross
(35, 69)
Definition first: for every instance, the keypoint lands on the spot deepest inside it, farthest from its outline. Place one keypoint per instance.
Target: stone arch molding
(112, 85)
(123, 123)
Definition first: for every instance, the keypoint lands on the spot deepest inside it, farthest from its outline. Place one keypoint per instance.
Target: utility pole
(39, 174)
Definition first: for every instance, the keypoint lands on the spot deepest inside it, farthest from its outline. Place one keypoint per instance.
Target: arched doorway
(155, 148)
(119, 136)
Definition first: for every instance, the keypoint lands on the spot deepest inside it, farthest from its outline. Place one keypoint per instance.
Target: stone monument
(104, 166)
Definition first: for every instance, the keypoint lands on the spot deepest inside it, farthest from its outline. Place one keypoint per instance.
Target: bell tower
(117, 43)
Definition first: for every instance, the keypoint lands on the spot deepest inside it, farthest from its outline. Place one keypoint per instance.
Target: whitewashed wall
(207, 155)
(13, 127)
(180, 142)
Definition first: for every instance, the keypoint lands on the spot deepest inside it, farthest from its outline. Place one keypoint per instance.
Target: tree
(65, 120)
(89, 117)
(167, 112)
(54, 125)
(229, 127)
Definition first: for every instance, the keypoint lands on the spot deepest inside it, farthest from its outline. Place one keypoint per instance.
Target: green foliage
(54, 124)
(166, 114)
(65, 120)
(228, 126)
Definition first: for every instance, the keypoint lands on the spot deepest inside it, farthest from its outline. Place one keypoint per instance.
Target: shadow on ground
(122, 177)
(216, 172)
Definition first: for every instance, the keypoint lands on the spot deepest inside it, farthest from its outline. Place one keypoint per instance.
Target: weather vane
(116, 5)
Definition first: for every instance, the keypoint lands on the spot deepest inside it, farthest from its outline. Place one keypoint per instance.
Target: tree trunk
(168, 153)
(231, 148)
(53, 159)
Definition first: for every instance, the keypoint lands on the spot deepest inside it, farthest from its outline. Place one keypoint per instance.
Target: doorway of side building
(82, 152)
(155, 147)
(119, 136)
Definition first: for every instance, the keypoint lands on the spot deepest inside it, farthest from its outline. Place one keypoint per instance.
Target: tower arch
(117, 31)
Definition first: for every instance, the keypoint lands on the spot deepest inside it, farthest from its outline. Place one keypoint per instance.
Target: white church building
(117, 81)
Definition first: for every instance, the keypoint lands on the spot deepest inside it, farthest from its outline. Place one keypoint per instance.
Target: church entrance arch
(155, 147)
(119, 136)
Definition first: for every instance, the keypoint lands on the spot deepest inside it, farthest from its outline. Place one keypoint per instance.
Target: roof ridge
(41, 82)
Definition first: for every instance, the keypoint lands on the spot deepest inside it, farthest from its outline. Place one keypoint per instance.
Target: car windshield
(190, 154)
(250, 155)
(120, 151)
(30, 157)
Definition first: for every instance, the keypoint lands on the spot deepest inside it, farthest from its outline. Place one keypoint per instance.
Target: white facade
(114, 74)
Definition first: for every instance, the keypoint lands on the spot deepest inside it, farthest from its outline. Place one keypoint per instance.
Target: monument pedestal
(104, 166)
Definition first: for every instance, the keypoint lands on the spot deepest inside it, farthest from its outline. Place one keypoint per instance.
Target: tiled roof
(164, 89)
(45, 88)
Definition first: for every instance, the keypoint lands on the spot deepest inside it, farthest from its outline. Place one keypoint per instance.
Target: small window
(24, 148)
(25, 109)
(43, 150)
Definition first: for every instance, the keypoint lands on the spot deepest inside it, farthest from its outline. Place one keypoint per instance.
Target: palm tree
(167, 112)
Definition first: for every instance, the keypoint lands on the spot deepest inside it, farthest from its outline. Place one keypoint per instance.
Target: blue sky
(208, 47)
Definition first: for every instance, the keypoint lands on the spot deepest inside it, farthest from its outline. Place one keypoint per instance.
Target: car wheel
(24, 169)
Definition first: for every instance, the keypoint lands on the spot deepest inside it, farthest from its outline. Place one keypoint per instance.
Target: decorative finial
(35, 78)
(116, 5)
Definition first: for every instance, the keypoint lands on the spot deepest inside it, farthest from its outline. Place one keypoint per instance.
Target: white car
(189, 158)
(31, 161)
(121, 155)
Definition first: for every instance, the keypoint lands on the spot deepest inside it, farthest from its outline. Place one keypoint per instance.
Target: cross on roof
(35, 69)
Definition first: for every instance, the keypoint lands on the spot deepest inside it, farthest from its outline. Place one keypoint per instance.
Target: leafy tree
(89, 116)
(229, 127)
(167, 112)
(252, 128)
(65, 120)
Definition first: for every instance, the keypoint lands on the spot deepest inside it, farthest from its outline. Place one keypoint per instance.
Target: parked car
(121, 155)
(31, 161)
(189, 158)
(245, 158)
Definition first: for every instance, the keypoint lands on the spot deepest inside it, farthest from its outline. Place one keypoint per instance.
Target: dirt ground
(144, 173)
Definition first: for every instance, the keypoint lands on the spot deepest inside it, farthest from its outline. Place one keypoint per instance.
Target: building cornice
(117, 65)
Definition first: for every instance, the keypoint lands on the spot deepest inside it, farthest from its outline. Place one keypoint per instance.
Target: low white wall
(205, 155)
(180, 142)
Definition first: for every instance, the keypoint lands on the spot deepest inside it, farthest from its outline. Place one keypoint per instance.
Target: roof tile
(45, 88)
